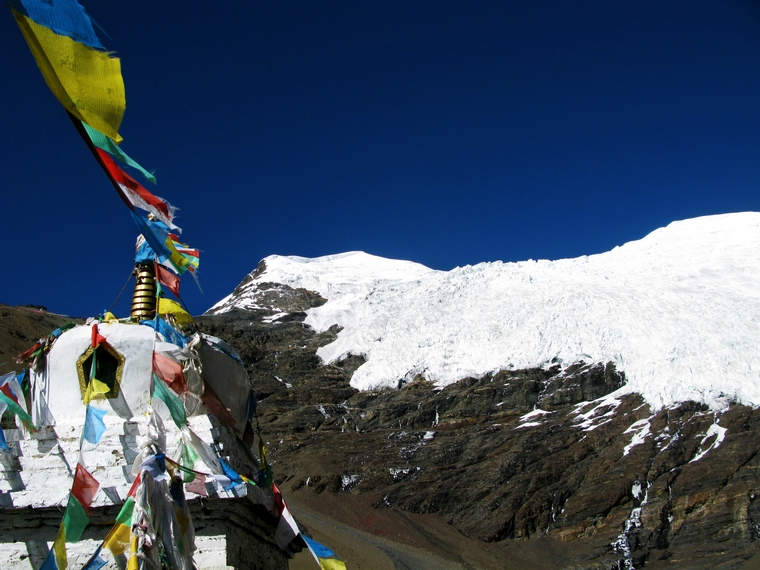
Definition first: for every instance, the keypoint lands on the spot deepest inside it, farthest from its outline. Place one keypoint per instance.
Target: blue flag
(94, 426)
(319, 549)
(95, 562)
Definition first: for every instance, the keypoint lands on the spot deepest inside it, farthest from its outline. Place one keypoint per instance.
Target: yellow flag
(134, 561)
(86, 81)
(332, 564)
(118, 539)
(94, 389)
(59, 549)
(169, 307)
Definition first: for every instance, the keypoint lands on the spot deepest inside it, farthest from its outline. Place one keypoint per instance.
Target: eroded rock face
(512, 456)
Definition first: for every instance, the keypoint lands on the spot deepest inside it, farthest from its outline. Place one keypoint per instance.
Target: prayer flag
(118, 538)
(95, 562)
(172, 401)
(87, 82)
(56, 558)
(15, 409)
(169, 307)
(170, 371)
(187, 459)
(217, 407)
(105, 143)
(74, 520)
(5, 378)
(198, 486)
(325, 557)
(64, 17)
(137, 195)
(95, 388)
(167, 331)
(230, 473)
(287, 529)
(168, 279)
(85, 487)
(97, 338)
(94, 426)
(3, 443)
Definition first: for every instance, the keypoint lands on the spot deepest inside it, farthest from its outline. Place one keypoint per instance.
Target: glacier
(677, 311)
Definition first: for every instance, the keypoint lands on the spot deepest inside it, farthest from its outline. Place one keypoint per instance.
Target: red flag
(85, 487)
(168, 279)
(5, 389)
(137, 195)
(97, 338)
(213, 403)
(170, 372)
(198, 485)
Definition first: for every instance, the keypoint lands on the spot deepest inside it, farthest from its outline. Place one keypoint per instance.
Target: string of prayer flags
(325, 557)
(167, 331)
(75, 519)
(85, 80)
(105, 143)
(83, 491)
(158, 238)
(135, 193)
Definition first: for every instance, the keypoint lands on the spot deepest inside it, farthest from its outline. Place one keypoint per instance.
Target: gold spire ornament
(144, 297)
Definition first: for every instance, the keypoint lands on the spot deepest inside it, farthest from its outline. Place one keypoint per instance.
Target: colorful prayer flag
(95, 388)
(172, 401)
(169, 307)
(85, 487)
(56, 558)
(95, 562)
(75, 519)
(287, 529)
(118, 538)
(167, 278)
(87, 82)
(170, 371)
(16, 410)
(106, 143)
(167, 331)
(325, 557)
(137, 195)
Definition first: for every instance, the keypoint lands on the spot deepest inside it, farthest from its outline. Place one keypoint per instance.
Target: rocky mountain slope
(604, 417)
(543, 463)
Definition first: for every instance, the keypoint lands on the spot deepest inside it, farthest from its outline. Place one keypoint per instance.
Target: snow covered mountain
(678, 312)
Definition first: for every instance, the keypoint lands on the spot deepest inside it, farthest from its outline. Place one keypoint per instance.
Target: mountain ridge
(674, 310)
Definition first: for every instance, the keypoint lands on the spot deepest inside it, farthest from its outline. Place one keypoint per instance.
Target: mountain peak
(676, 311)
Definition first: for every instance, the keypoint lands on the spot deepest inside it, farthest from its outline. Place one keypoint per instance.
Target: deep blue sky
(446, 133)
